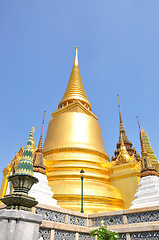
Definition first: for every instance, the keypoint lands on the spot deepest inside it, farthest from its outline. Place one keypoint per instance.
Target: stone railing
(62, 224)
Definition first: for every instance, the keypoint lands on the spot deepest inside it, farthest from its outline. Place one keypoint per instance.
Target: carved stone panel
(51, 215)
(64, 235)
(44, 234)
(75, 220)
(122, 236)
(145, 236)
(143, 217)
(110, 220)
(85, 236)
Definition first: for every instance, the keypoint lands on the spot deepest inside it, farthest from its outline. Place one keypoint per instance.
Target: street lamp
(82, 177)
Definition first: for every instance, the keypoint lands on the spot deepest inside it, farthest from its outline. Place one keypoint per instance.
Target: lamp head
(82, 172)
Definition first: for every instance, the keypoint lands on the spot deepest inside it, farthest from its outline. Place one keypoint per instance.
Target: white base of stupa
(147, 195)
(42, 192)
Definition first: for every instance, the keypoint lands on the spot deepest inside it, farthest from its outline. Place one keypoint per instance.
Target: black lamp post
(82, 177)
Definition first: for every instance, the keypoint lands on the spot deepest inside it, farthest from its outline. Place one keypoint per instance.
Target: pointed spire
(76, 58)
(146, 164)
(143, 150)
(122, 129)
(25, 167)
(39, 149)
(148, 147)
(38, 165)
(75, 90)
(127, 143)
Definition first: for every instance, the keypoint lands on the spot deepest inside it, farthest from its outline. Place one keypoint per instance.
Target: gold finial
(123, 149)
(138, 123)
(75, 90)
(122, 129)
(76, 58)
(119, 109)
(122, 142)
(123, 156)
(39, 149)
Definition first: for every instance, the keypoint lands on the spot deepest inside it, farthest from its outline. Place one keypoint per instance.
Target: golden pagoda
(74, 142)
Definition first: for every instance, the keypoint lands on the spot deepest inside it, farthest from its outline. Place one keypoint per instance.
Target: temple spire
(39, 149)
(75, 90)
(128, 144)
(38, 165)
(146, 164)
(122, 129)
(26, 163)
(148, 147)
(143, 149)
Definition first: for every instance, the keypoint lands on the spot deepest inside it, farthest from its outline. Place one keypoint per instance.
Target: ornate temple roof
(38, 165)
(128, 144)
(25, 166)
(75, 90)
(123, 156)
(148, 147)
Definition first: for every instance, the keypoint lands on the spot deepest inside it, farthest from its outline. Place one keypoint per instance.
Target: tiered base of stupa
(42, 192)
(147, 194)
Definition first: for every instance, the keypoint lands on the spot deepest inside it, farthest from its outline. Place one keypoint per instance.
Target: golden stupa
(74, 142)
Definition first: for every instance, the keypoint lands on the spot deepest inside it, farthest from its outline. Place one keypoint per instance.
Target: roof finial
(122, 142)
(40, 140)
(122, 129)
(76, 58)
(75, 90)
(38, 165)
(119, 109)
(143, 150)
(138, 123)
(122, 146)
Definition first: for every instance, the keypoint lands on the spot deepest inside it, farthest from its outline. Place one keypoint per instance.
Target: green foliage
(104, 234)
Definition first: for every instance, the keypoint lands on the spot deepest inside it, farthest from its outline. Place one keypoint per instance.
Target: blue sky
(118, 53)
